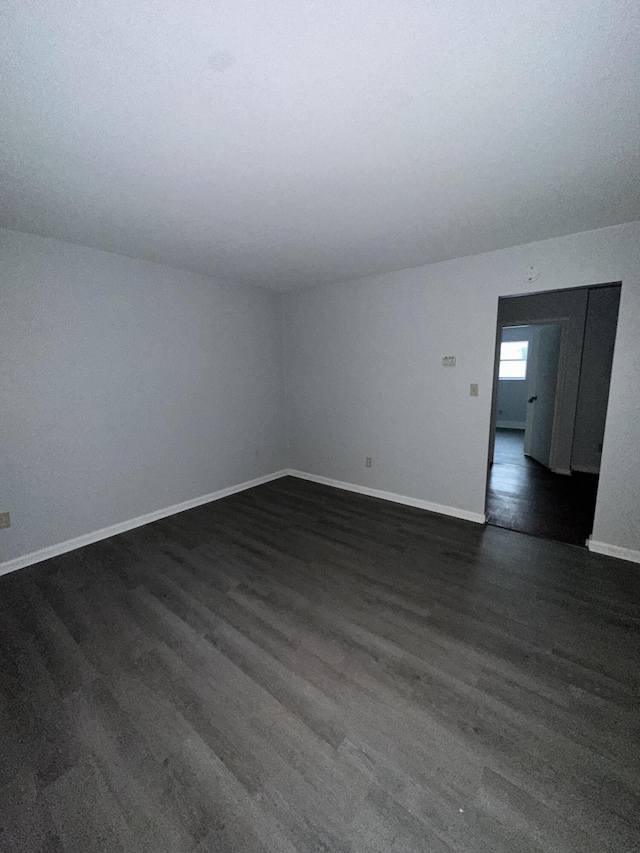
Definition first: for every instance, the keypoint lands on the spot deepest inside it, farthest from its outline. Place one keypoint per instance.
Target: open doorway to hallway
(553, 365)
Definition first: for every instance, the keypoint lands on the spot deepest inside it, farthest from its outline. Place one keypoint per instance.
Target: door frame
(496, 363)
(563, 322)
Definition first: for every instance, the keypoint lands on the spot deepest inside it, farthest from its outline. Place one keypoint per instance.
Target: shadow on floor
(524, 495)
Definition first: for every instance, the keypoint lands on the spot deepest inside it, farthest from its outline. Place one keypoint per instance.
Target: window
(513, 359)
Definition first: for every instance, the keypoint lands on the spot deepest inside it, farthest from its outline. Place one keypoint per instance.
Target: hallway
(524, 495)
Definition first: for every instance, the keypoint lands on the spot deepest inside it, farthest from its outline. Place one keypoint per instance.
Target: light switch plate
(449, 361)
(473, 390)
(5, 520)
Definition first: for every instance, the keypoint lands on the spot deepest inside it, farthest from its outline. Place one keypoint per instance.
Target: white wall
(513, 393)
(364, 374)
(126, 387)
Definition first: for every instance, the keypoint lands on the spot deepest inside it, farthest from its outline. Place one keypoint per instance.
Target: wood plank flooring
(523, 495)
(296, 668)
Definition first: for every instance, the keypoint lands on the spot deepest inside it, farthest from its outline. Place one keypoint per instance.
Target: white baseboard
(123, 526)
(510, 425)
(97, 535)
(465, 514)
(613, 551)
(586, 469)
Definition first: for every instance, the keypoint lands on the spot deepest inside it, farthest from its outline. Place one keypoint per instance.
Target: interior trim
(96, 536)
(122, 526)
(441, 509)
(613, 550)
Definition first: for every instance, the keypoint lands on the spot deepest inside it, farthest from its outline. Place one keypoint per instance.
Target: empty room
(319, 426)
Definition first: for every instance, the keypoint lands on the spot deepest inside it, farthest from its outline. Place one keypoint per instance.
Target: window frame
(523, 345)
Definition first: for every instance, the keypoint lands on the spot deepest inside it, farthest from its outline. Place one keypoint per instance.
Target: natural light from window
(513, 359)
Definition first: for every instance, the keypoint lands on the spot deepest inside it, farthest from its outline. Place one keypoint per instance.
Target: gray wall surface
(127, 387)
(512, 403)
(593, 394)
(513, 393)
(364, 374)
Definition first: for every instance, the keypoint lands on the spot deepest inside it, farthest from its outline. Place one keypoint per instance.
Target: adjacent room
(319, 471)
(551, 394)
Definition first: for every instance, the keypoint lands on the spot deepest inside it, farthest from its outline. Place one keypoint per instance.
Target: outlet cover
(367, 462)
(5, 520)
(473, 390)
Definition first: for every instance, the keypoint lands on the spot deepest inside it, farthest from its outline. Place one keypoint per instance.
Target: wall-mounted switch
(449, 361)
(473, 390)
(5, 520)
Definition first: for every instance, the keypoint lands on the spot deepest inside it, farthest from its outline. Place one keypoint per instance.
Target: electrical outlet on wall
(367, 462)
(5, 520)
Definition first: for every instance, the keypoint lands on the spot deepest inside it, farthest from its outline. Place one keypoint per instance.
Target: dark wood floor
(524, 495)
(297, 668)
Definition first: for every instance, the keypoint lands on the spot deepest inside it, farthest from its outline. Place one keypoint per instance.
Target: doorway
(554, 352)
